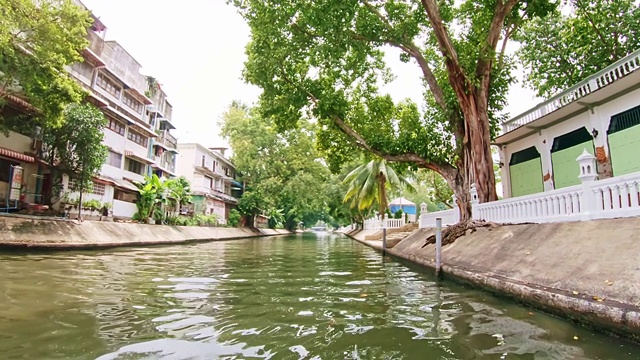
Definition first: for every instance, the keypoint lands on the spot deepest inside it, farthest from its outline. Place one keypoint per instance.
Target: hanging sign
(16, 183)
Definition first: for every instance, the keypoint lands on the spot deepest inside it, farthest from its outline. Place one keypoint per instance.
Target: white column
(505, 176)
(599, 125)
(543, 145)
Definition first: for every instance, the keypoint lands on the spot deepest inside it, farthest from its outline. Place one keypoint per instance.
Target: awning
(167, 123)
(142, 97)
(16, 155)
(118, 115)
(132, 155)
(93, 58)
(20, 103)
(144, 130)
(125, 184)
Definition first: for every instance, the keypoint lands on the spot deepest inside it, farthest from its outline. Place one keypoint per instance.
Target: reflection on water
(298, 297)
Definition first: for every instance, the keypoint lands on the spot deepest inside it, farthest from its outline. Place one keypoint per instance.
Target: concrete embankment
(31, 232)
(587, 271)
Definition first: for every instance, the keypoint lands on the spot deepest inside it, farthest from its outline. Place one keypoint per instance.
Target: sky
(195, 48)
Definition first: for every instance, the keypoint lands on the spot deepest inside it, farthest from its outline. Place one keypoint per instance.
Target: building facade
(138, 133)
(211, 176)
(601, 114)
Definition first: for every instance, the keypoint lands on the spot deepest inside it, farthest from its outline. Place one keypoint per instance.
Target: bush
(398, 214)
(234, 218)
(205, 220)
(180, 221)
(92, 205)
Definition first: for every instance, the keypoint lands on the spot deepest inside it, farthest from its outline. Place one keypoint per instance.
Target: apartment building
(138, 133)
(212, 179)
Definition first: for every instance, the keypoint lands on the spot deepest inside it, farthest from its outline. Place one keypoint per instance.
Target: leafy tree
(283, 171)
(178, 192)
(37, 40)
(558, 51)
(152, 194)
(369, 184)
(75, 148)
(326, 57)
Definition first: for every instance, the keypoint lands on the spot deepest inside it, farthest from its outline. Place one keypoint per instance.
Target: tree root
(453, 232)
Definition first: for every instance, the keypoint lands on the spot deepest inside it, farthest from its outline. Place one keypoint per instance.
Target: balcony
(167, 141)
(615, 78)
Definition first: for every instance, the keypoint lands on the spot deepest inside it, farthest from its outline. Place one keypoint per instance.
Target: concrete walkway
(588, 271)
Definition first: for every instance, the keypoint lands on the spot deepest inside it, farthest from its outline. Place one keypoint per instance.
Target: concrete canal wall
(588, 271)
(31, 232)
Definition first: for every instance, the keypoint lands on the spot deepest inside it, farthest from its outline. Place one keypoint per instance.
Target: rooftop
(611, 82)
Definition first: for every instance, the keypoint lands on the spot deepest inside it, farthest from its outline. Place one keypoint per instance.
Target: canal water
(296, 297)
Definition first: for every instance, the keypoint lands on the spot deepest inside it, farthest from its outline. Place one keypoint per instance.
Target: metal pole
(438, 245)
(384, 240)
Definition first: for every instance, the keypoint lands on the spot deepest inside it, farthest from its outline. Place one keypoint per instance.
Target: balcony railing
(167, 139)
(608, 75)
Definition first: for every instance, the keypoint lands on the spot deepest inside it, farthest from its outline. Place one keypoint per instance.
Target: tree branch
(483, 67)
(411, 49)
(442, 36)
(445, 169)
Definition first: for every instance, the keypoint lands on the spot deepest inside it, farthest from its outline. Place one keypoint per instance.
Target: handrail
(602, 78)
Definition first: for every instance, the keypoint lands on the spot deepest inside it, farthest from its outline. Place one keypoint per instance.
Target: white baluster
(624, 195)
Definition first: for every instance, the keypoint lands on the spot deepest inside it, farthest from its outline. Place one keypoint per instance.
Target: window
(137, 138)
(204, 161)
(124, 195)
(114, 159)
(134, 104)
(108, 85)
(116, 126)
(5, 168)
(136, 167)
(95, 187)
(98, 188)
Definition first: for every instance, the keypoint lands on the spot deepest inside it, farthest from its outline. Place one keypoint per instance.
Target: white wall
(123, 208)
(599, 119)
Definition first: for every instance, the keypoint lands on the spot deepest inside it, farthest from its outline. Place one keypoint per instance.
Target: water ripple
(296, 297)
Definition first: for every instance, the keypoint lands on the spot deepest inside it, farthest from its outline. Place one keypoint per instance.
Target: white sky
(195, 48)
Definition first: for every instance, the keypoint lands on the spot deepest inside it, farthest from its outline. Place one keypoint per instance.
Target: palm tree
(369, 183)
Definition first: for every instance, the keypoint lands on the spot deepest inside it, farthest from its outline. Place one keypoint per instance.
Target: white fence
(602, 199)
(375, 223)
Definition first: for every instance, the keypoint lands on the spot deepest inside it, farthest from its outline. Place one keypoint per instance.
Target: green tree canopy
(75, 148)
(37, 40)
(325, 58)
(558, 51)
(283, 171)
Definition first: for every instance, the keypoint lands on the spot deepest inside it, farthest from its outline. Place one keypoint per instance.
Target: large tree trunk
(458, 180)
(477, 121)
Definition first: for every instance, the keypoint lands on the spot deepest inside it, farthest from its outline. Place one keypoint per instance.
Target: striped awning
(16, 155)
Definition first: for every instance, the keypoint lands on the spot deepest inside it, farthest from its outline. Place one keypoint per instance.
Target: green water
(297, 297)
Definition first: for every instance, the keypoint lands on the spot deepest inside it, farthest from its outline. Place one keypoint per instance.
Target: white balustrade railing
(376, 224)
(449, 217)
(552, 206)
(595, 82)
(615, 197)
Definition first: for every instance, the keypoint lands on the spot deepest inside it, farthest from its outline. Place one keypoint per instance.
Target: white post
(474, 200)
(588, 174)
(423, 215)
(456, 209)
